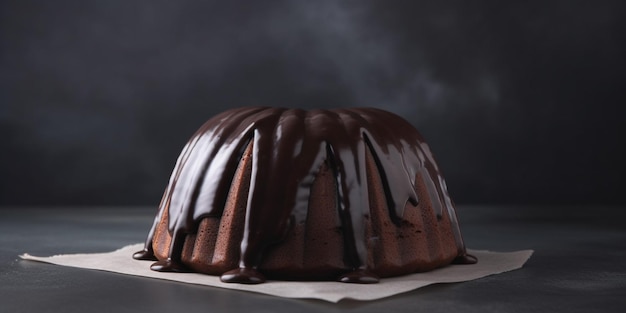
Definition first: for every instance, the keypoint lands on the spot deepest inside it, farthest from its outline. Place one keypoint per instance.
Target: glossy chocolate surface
(288, 148)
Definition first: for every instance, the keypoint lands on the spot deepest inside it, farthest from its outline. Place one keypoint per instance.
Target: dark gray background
(521, 103)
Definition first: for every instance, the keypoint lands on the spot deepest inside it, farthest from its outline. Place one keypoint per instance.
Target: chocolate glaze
(289, 147)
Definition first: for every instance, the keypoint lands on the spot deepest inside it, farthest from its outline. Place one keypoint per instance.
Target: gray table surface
(578, 266)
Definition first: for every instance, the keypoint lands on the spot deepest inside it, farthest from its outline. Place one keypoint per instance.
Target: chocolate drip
(288, 148)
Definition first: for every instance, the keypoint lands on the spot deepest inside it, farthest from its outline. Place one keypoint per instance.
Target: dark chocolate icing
(288, 148)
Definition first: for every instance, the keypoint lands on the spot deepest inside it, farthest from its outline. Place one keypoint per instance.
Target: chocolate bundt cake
(345, 194)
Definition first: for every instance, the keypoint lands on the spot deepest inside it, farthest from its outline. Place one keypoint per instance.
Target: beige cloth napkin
(120, 261)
